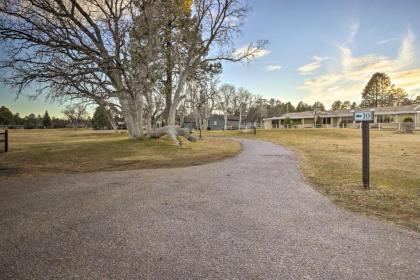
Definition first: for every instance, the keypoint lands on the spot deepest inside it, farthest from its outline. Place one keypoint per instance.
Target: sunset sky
(318, 51)
(327, 50)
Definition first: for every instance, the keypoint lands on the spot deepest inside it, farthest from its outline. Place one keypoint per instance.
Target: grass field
(331, 161)
(66, 150)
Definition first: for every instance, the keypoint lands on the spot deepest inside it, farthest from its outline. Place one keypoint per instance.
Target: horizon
(323, 55)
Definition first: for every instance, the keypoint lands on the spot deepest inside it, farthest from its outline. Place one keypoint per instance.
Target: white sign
(363, 116)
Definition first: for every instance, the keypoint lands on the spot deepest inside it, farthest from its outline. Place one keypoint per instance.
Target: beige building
(384, 117)
(295, 120)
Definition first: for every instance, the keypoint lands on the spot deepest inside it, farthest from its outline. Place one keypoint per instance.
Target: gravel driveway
(249, 217)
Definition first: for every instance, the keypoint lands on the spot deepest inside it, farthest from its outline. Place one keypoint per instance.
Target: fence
(4, 141)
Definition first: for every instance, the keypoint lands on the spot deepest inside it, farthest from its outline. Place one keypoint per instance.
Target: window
(214, 122)
(326, 120)
(346, 119)
(386, 118)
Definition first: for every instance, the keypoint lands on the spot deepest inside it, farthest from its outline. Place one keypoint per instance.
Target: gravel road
(249, 217)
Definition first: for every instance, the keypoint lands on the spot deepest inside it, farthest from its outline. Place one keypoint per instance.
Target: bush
(408, 120)
(407, 127)
(287, 121)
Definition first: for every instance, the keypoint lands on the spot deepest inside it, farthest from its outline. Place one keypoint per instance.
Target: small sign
(363, 116)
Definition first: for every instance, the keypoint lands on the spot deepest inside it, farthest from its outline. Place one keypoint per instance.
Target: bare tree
(82, 49)
(153, 110)
(110, 51)
(207, 40)
(225, 95)
(246, 101)
(199, 36)
(75, 113)
(202, 98)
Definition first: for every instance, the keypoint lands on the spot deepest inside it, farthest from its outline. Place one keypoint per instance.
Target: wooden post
(365, 154)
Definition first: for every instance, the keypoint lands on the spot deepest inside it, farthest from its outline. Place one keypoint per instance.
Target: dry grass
(331, 161)
(47, 151)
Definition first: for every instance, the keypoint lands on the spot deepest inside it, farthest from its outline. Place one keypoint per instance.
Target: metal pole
(6, 140)
(365, 154)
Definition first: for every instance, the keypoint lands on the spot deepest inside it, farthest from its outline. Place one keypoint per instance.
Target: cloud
(311, 67)
(256, 53)
(272, 67)
(347, 80)
(354, 28)
(386, 41)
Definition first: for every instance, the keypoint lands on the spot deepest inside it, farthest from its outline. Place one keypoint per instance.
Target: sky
(318, 51)
(328, 50)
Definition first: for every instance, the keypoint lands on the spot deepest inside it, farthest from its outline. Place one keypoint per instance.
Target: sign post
(365, 154)
(5, 140)
(365, 118)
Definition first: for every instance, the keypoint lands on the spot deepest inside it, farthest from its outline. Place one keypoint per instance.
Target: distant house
(121, 125)
(189, 124)
(335, 118)
(297, 119)
(217, 122)
(385, 117)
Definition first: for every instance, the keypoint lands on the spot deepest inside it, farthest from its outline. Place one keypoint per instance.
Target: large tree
(74, 49)
(110, 51)
(379, 91)
(205, 41)
(376, 90)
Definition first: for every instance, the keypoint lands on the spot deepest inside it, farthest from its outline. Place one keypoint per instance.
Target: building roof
(348, 113)
(299, 115)
(394, 109)
(336, 113)
(294, 115)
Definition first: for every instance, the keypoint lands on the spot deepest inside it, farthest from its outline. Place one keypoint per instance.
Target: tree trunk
(168, 83)
(173, 132)
(133, 116)
(149, 127)
(111, 121)
(240, 118)
(168, 100)
(176, 100)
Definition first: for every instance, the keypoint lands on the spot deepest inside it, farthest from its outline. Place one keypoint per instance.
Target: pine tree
(100, 118)
(337, 105)
(46, 120)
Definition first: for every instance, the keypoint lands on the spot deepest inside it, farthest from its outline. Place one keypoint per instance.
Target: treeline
(32, 121)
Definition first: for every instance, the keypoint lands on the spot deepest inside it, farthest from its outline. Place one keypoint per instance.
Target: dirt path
(249, 217)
